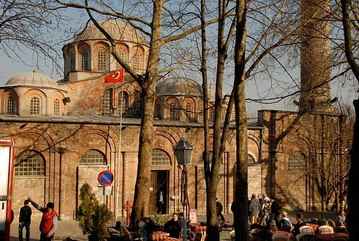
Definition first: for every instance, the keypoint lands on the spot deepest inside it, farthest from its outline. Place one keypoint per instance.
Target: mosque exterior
(67, 131)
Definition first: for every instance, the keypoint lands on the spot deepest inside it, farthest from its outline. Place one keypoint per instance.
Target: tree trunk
(142, 193)
(241, 178)
(353, 200)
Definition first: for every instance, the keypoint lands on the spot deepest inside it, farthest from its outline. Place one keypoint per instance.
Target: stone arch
(190, 109)
(30, 100)
(93, 157)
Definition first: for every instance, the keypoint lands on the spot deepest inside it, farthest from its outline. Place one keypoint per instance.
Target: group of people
(314, 229)
(48, 222)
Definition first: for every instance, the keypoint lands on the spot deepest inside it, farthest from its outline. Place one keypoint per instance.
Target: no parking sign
(105, 178)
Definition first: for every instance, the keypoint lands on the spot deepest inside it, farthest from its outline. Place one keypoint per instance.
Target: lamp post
(183, 153)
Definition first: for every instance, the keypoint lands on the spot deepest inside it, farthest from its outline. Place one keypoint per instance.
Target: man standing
(254, 209)
(25, 220)
(48, 223)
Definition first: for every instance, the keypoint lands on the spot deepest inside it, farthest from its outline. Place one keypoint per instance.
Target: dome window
(85, 57)
(174, 111)
(56, 107)
(11, 105)
(122, 51)
(138, 60)
(103, 59)
(189, 112)
(35, 106)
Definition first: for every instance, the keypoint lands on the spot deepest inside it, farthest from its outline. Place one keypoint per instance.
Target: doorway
(160, 192)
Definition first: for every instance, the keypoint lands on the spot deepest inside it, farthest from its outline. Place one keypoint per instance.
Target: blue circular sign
(105, 178)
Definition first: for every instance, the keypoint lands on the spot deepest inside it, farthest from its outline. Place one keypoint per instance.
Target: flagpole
(119, 159)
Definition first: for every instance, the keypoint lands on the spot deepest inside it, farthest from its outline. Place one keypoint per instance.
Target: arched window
(56, 107)
(138, 61)
(158, 113)
(72, 57)
(107, 102)
(189, 112)
(103, 59)
(174, 110)
(35, 106)
(30, 163)
(11, 105)
(93, 157)
(160, 158)
(85, 57)
(296, 161)
(123, 102)
(123, 51)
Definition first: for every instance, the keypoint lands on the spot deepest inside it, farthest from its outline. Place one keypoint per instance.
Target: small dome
(178, 87)
(118, 29)
(33, 78)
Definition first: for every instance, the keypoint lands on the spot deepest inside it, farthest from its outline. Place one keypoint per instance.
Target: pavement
(66, 228)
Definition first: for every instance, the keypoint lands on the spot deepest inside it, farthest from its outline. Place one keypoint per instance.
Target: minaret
(315, 56)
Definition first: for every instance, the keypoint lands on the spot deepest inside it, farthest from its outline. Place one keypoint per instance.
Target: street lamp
(183, 153)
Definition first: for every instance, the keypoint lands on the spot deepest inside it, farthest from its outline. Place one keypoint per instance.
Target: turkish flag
(116, 76)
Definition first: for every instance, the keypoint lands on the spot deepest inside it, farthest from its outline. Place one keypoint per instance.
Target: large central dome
(118, 29)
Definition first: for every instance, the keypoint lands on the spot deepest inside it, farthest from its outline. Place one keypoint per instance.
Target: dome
(178, 87)
(118, 29)
(32, 79)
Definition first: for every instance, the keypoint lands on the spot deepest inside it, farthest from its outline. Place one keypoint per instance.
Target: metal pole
(119, 158)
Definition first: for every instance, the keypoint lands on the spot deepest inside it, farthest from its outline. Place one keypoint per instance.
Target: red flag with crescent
(117, 76)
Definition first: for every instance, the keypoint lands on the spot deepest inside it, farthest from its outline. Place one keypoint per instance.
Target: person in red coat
(48, 222)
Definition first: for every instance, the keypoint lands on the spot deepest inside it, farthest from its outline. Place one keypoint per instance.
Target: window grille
(11, 105)
(30, 164)
(174, 112)
(35, 106)
(160, 158)
(107, 102)
(123, 53)
(103, 58)
(56, 107)
(93, 157)
(85, 58)
(124, 102)
(138, 60)
(189, 111)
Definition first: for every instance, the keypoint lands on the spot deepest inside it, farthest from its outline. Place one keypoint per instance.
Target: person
(48, 222)
(299, 223)
(254, 209)
(325, 228)
(275, 210)
(25, 220)
(173, 227)
(119, 232)
(266, 209)
(284, 223)
(342, 216)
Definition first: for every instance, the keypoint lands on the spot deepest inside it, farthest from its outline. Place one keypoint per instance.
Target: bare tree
(25, 24)
(350, 24)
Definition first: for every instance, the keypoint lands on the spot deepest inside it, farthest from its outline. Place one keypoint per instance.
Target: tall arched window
(35, 106)
(93, 157)
(138, 61)
(107, 101)
(123, 102)
(72, 58)
(30, 163)
(56, 107)
(85, 57)
(103, 58)
(189, 112)
(11, 105)
(174, 110)
(123, 51)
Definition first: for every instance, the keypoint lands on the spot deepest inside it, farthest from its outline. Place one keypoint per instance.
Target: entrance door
(159, 194)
